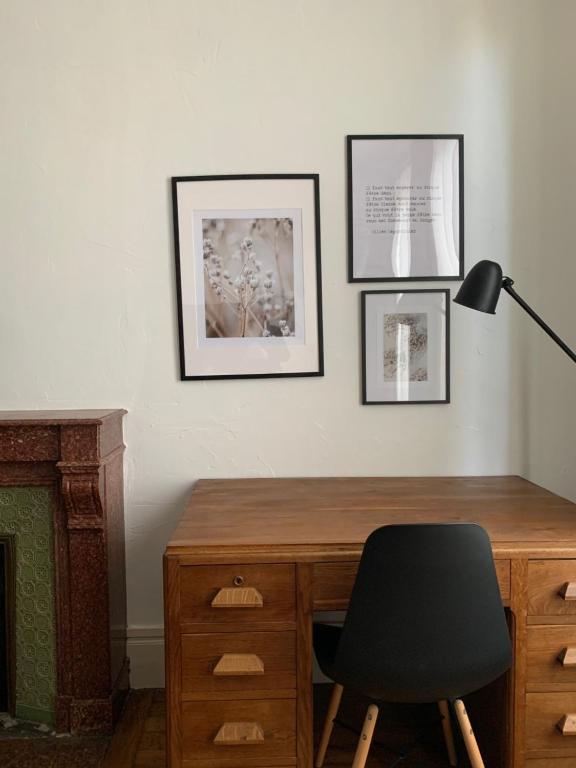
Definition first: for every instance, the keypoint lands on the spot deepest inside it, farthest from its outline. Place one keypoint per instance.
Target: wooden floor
(19, 749)
(139, 739)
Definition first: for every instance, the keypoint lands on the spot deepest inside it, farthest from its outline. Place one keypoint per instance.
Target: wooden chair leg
(329, 724)
(468, 734)
(448, 734)
(365, 737)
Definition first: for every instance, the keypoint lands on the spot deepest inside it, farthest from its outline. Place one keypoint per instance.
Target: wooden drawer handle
(238, 597)
(567, 657)
(232, 734)
(567, 726)
(232, 664)
(568, 591)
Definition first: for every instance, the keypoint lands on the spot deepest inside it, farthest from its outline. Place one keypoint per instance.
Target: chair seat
(326, 638)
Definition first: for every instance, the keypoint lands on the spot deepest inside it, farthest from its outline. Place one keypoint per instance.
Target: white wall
(550, 279)
(103, 102)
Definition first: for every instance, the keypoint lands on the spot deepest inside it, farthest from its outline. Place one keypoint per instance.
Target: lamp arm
(507, 284)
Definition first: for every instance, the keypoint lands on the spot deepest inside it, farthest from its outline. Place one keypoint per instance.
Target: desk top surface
(319, 513)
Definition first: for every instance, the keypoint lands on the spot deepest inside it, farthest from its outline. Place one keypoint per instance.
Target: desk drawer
(237, 594)
(239, 661)
(552, 655)
(547, 580)
(545, 713)
(238, 730)
(333, 582)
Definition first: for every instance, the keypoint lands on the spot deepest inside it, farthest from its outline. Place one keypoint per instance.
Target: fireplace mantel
(79, 456)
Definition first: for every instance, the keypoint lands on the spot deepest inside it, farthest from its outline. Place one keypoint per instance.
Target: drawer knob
(238, 597)
(567, 726)
(232, 664)
(567, 657)
(231, 734)
(568, 591)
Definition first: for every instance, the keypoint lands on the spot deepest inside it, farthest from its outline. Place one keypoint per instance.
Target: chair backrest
(425, 620)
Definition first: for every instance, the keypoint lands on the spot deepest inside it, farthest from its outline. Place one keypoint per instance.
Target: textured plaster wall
(550, 278)
(103, 102)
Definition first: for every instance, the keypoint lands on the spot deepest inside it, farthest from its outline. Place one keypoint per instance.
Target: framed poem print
(405, 207)
(405, 347)
(248, 275)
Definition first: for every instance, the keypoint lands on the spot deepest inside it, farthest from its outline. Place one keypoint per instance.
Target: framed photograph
(248, 275)
(405, 207)
(405, 347)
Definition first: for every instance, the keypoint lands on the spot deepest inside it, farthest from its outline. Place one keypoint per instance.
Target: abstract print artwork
(405, 347)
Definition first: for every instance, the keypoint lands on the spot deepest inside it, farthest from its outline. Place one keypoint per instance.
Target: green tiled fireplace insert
(26, 514)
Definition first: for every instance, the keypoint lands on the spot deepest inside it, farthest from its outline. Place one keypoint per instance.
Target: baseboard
(146, 652)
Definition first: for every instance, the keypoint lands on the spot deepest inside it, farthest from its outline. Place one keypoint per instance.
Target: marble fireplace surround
(78, 455)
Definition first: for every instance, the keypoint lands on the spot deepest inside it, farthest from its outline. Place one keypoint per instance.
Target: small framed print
(248, 275)
(405, 347)
(405, 207)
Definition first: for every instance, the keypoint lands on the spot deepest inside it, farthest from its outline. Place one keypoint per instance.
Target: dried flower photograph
(406, 347)
(248, 277)
(248, 281)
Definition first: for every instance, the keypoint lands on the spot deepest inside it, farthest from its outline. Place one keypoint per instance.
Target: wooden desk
(296, 544)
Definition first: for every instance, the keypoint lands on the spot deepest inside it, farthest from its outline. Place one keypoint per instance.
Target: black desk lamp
(481, 290)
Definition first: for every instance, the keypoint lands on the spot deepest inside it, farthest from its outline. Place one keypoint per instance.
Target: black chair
(425, 624)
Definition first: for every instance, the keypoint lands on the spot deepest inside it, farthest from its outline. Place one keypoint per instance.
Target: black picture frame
(312, 265)
(365, 399)
(384, 277)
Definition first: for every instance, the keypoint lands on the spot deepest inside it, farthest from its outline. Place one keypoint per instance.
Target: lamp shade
(481, 287)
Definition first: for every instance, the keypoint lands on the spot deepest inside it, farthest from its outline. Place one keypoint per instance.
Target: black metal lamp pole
(481, 290)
